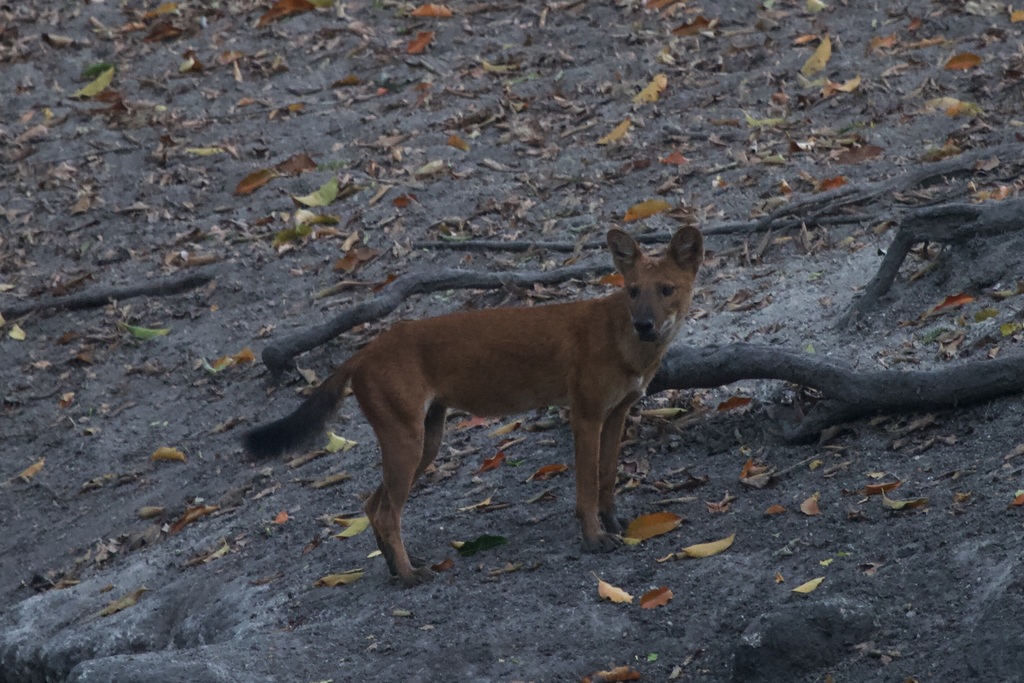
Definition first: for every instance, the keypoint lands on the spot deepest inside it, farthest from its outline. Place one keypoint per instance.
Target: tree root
(848, 394)
(101, 296)
(949, 223)
(279, 356)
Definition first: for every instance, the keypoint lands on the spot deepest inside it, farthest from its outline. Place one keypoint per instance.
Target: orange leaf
(432, 11)
(963, 61)
(492, 463)
(403, 200)
(656, 597)
(32, 470)
(675, 158)
(614, 279)
(443, 566)
(810, 506)
(882, 42)
(952, 302)
(619, 674)
(1017, 501)
(610, 592)
(831, 183)
(458, 143)
(646, 209)
(244, 356)
(473, 422)
(191, 515)
(284, 8)
(296, 164)
(692, 27)
(548, 471)
(733, 402)
(255, 181)
(282, 517)
(881, 489)
(775, 510)
(169, 454)
(1016, 16)
(654, 524)
(420, 42)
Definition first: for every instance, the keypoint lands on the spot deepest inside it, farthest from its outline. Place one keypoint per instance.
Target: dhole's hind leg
(402, 449)
(433, 432)
(611, 436)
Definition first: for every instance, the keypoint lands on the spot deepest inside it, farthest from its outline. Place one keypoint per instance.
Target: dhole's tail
(308, 420)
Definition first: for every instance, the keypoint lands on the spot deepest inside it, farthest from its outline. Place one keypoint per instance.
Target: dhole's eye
(634, 291)
(667, 290)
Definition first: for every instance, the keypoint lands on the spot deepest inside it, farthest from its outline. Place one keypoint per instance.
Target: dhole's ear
(624, 250)
(687, 248)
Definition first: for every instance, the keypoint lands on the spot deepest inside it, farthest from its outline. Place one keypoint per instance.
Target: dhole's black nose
(644, 329)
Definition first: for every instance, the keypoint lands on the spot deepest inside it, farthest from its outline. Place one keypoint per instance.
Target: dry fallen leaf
(284, 8)
(122, 603)
(617, 133)
(418, 44)
(432, 11)
(652, 91)
(547, 471)
(810, 506)
(610, 592)
(809, 586)
(963, 61)
(281, 517)
(649, 526)
(191, 515)
(909, 504)
(817, 61)
(733, 402)
(32, 470)
(775, 510)
(619, 674)
(255, 181)
(492, 462)
(646, 209)
(342, 579)
(708, 549)
(168, 454)
(656, 597)
(353, 526)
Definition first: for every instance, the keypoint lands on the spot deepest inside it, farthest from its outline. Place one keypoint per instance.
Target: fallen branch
(101, 296)
(950, 224)
(848, 394)
(831, 201)
(279, 356)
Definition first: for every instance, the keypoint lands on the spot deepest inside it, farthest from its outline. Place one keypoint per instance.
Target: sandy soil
(140, 183)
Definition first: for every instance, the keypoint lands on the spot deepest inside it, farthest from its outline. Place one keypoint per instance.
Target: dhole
(595, 356)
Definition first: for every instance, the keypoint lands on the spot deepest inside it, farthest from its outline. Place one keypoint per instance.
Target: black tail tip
(265, 442)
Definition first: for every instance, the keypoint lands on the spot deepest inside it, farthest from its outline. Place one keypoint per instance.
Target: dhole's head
(658, 289)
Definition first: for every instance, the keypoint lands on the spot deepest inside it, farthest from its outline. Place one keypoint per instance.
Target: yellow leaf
(506, 429)
(763, 123)
(32, 470)
(16, 333)
(649, 526)
(498, 68)
(814, 6)
(204, 151)
(1017, 16)
(610, 592)
(653, 91)
(323, 196)
(169, 454)
(910, 504)
(953, 107)
(664, 413)
(337, 443)
(809, 586)
(816, 62)
(122, 603)
(342, 579)
(617, 133)
(646, 209)
(353, 526)
(708, 549)
(97, 86)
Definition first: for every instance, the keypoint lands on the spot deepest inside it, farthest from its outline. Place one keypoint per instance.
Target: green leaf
(97, 86)
(1008, 329)
(94, 70)
(327, 193)
(292, 234)
(484, 542)
(145, 333)
(985, 314)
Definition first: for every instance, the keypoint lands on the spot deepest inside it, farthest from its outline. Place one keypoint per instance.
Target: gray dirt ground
(99, 193)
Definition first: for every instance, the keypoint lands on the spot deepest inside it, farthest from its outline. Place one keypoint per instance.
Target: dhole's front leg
(586, 432)
(611, 436)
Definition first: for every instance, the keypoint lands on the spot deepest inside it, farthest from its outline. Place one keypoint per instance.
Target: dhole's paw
(602, 543)
(613, 524)
(418, 576)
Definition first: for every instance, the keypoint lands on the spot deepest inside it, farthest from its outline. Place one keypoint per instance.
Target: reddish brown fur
(596, 356)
